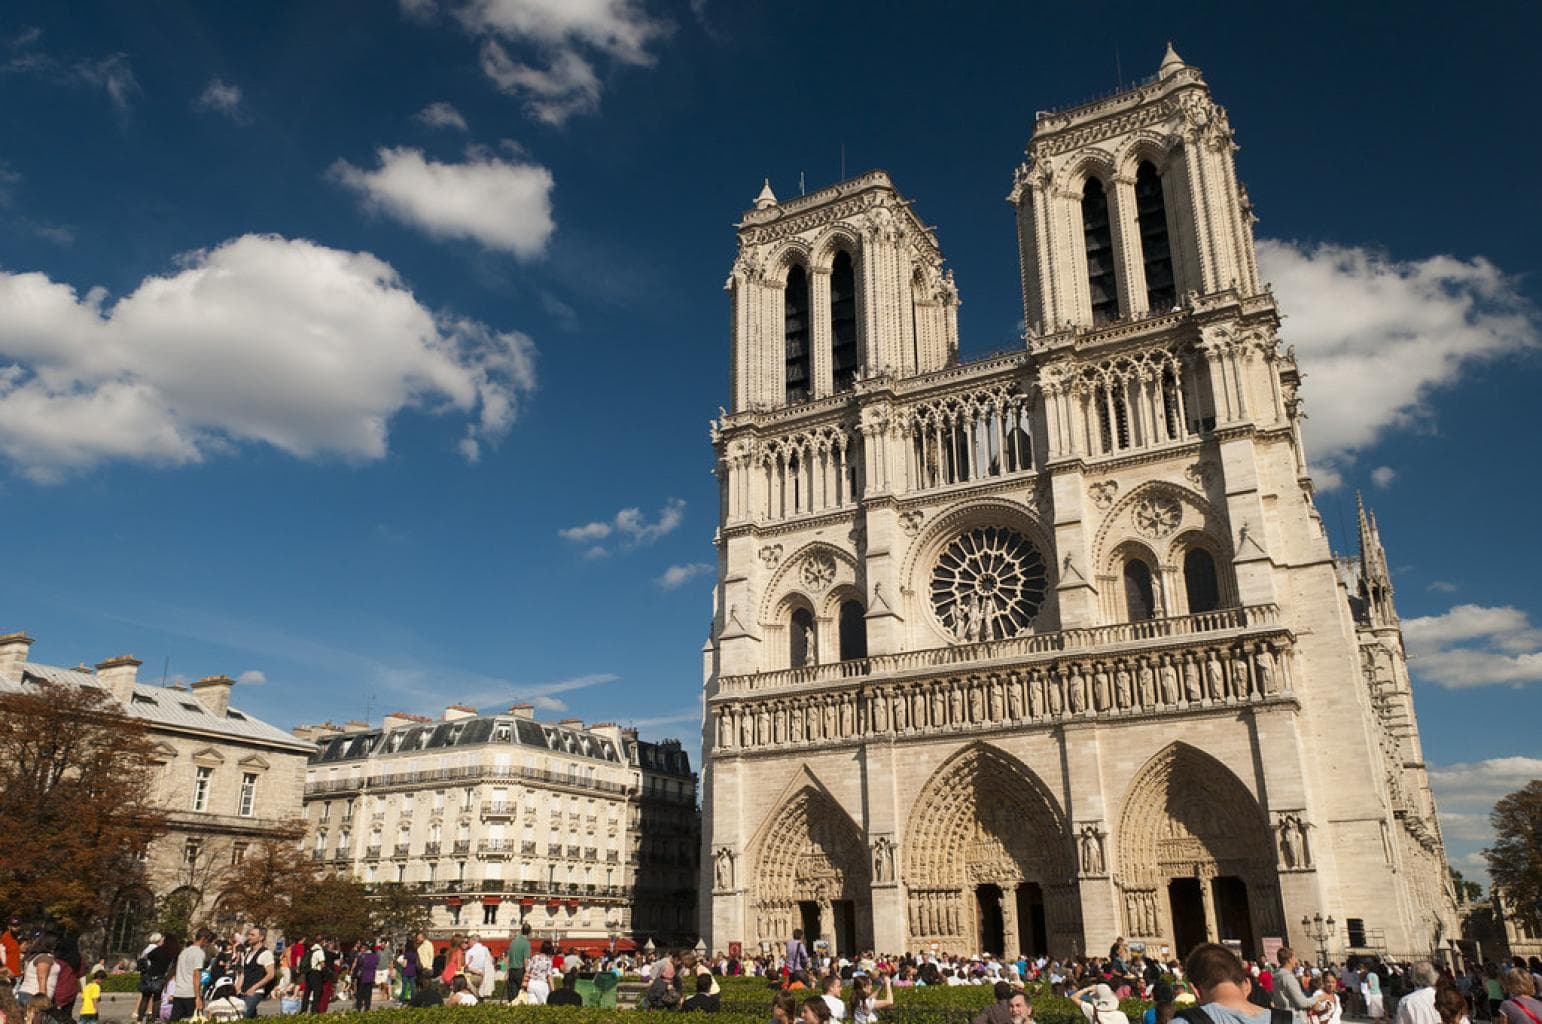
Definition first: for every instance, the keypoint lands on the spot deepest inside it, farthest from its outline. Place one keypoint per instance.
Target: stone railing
(1111, 673)
(1019, 648)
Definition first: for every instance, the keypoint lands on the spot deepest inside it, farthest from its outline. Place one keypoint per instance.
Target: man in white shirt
(1418, 1006)
(830, 989)
(189, 978)
(479, 962)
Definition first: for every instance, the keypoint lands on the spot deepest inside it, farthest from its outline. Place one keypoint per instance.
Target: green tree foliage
(398, 912)
(1515, 859)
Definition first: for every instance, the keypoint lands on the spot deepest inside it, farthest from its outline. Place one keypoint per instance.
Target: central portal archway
(985, 844)
(1196, 856)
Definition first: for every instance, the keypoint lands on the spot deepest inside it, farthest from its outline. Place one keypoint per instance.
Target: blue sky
(369, 350)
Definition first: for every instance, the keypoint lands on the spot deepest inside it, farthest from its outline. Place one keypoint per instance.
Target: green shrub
(121, 982)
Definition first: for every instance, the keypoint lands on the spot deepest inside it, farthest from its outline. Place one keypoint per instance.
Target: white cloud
(112, 74)
(261, 339)
(1473, 645)
(252, 677)
(678, 575)
(565, 40)
(221, 97)
(1382, 476)
(1378, 336)
(628, 525)
(1465, 794)
(502, 204)
(1442, 587)
(441, 115)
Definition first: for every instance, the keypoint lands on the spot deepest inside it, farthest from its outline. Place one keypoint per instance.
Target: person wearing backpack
(153, 965)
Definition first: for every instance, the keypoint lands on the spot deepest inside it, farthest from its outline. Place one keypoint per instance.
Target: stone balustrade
(1220, 659)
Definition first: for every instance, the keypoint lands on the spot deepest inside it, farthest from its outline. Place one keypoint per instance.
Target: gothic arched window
(1155, 247)
(845, 358)
(795, 321)
(1200, 582)
(1098, 235)
(1139, 593)
(804, 647)
(853, 630)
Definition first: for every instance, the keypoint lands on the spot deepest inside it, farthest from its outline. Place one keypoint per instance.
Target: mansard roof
(171, 708)
(463, 733)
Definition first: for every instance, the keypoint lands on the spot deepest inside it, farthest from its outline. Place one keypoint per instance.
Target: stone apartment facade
(226, 779)
(1046, 648)
(588, 834)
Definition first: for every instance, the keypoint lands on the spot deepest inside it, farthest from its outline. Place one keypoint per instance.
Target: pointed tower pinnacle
(767, 198)
(1171, 62)
(1375, 574)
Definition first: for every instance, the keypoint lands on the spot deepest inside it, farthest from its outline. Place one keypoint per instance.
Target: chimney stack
(522, 710)
(455, 712)
(401, 719)
(119, 675)
(13, 655)
(572, 723)
(213, 692)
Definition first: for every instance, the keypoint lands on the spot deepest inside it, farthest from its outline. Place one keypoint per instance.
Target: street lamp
(1319, 931)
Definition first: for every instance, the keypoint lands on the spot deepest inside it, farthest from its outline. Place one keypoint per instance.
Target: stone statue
(1122, 686)
(810, 647)
(901, 714)
(1240, 685)
(1092, 851)
(976, 703)
(1268, 683)
(1078, 693)
(1145, 684)
(723, 870)
(1101, 697)
(1191, 687)
(881, 713)
(1056, 698)
(1014, 699)
(1168, 683)
(1215, 677)
(1290, 854)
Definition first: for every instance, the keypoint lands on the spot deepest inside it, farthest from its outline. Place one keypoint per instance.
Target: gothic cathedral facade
(1036, 651)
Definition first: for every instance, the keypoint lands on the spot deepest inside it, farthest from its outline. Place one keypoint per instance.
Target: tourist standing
(154, 965)
(1418, 1006)
(797, 953)
(519, 955)
(366, 963)
(1223, 986)
(538, 974)
(10, 949)
(1287, 987)
(479, 968)
(188, 978)
(1522, 1007)
(257, 971)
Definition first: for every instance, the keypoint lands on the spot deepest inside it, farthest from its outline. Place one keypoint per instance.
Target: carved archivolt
(985, 817)
(809, 849)
(1188, 815)
(824, 562)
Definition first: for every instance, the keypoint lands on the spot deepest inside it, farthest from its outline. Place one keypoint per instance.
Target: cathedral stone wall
(1037, 651)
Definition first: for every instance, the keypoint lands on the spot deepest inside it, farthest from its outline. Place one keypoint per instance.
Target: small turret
(767, 198)
(1375, 576)
(1171, 62)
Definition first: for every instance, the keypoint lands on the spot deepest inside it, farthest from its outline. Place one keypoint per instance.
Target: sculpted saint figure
(1268, 682)
(1168, 683)
(1056, 698)
(1215, 677)
(1191, 688)
(1014, 699)
(1146, 684)
(1078, 692)
(1101, 696)
(1122, 686)
(1240, 687)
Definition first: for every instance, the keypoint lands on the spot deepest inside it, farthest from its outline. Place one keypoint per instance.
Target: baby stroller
(221, 1003)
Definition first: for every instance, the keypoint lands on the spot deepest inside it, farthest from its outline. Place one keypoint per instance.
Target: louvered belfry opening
(1099, 237)
(845, 357)
(795, 329)
(1155, 246)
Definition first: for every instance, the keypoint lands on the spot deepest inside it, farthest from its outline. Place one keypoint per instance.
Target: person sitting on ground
(567, 995)
(460, 992)
(705, 1000)
(428, 995)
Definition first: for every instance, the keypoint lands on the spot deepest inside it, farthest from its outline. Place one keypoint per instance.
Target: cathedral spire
(767, 198)
(1375, 576)
(1171, 62)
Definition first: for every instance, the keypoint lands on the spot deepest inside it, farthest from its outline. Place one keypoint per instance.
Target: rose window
(988, 584)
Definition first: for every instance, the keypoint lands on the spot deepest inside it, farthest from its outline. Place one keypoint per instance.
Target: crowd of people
(43, 980)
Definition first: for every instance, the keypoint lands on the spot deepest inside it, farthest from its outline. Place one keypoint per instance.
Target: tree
(75, 779)
(332, 905)
(1466, 892)
(398, 912)
(1515, 859)
(270, 879)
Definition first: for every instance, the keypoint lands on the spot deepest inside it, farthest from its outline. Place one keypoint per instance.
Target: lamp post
(1319, 931)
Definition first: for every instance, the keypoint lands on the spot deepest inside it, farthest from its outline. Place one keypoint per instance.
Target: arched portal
(1196, 856)
(811, 872)
(984, 845)
(130, 921)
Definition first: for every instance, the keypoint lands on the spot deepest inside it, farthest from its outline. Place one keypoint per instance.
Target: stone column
(1009, 927)
(827, 925)
(820, 363)
(1212, 923)
(1127, 246)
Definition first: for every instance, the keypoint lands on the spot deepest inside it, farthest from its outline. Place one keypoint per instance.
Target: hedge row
(121, 982)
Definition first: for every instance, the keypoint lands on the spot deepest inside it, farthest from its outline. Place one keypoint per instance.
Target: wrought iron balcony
(462, 846)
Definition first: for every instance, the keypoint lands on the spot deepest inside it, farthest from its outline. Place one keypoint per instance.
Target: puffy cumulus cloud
(441, 115)
(261, 339)
(501, 204)
(1382, 476)
(221, 97)
(678, 575)
(1473, 645)
(1465, 794)
(557, 47)
(630, 526)
(1380, 335)
(252, 677)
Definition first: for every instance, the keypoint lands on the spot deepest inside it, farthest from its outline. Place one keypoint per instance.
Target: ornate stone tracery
(988, 584)
(809, 850)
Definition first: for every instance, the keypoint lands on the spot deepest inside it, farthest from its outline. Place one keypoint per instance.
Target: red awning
(491, 901)
(452, 901)
(552, 903)
(527, 902)
(572, 904)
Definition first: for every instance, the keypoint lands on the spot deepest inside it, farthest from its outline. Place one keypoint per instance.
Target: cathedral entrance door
(808, 910)
(845, 926)
(992, 934)
(1188, 906)
(1232, 913)
(1032, 933)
